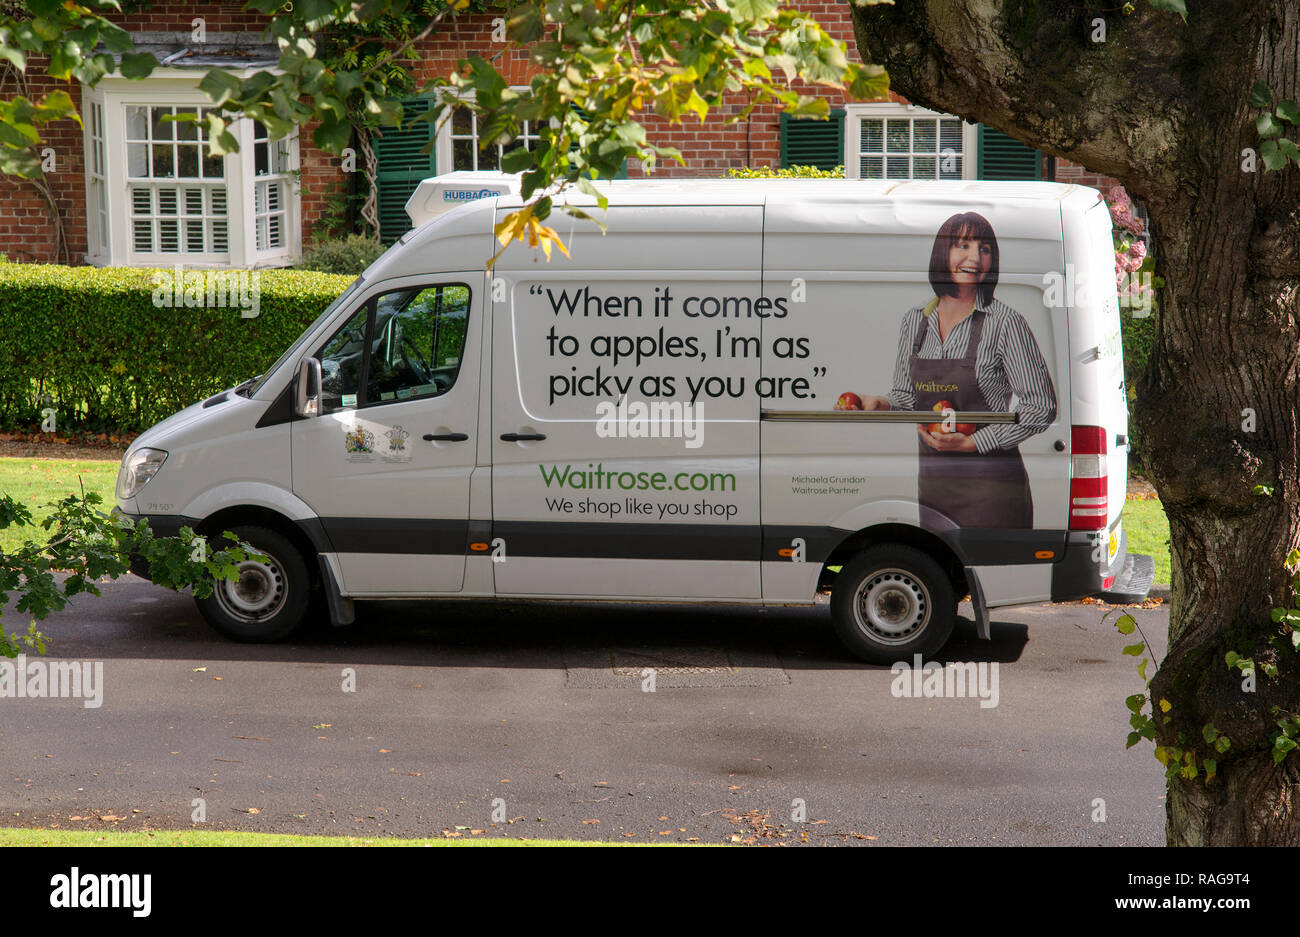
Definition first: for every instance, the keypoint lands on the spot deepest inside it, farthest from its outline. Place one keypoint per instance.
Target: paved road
(459, 704)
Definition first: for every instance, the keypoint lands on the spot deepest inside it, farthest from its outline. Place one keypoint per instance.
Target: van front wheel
(891, 602)
(268, 600)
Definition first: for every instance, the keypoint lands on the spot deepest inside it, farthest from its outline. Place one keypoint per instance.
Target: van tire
(269, 601)
(914, 606)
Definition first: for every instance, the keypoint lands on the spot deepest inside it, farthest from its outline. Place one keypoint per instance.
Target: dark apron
(968, 489)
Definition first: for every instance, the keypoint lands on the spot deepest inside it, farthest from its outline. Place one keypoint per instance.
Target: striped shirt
(1008, 363)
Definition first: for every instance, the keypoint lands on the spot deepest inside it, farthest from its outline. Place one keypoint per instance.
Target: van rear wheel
(893, 601)
(269, 598)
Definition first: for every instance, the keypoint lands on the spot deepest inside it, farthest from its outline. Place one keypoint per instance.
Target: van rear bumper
(1078, 576)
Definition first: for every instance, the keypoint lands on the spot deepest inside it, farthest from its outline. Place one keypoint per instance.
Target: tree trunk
(1163, 107)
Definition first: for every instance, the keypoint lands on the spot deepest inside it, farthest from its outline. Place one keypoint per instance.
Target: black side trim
(994, 546)
(819, 542)
(480, 531)
(280, 410)
(630, 541)
(429, 536)
(164, 525)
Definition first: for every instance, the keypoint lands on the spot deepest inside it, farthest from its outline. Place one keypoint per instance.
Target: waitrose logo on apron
(934, 387)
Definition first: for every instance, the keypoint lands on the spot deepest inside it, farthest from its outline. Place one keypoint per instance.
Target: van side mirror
(306, 397)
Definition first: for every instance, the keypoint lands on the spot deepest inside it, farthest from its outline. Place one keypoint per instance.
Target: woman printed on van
(966, 351)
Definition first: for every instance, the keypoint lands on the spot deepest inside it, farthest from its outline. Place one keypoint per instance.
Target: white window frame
(170, 87)
(444, 155)
(853, 114)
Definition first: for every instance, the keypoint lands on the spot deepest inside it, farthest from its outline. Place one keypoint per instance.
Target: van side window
(340, 363)
(418, 341)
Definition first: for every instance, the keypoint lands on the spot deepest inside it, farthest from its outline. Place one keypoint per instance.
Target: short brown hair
(970, 225)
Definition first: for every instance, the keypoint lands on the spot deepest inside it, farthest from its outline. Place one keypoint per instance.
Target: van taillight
(1089, 505)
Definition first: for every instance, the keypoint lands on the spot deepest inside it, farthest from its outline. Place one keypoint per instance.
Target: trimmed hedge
(92, 343)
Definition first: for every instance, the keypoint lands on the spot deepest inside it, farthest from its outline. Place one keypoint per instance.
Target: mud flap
(342, 610)
(977, 604)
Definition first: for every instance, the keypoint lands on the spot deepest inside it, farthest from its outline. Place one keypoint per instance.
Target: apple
(849, 401)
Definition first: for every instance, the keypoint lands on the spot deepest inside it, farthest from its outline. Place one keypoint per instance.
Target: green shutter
(1003, 158)
(401, 166)
(809, 142)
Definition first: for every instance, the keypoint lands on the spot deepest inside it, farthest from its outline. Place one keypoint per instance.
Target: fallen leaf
(589, 822)
(110, 817)
(385, 751)
(324, 725)
(250, 738)
(216, 678)
(199, 670)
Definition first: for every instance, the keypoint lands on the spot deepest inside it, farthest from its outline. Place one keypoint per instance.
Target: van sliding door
(624, 415)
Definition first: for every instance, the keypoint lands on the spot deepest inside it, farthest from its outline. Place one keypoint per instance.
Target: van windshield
(293, 349)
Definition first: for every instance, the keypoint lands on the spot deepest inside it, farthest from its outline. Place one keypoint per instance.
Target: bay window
(155, 197)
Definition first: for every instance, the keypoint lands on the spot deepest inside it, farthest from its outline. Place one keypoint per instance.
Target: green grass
(35, 482)
(1148, 532)
(22, 837)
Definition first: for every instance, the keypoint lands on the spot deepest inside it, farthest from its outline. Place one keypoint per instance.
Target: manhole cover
(673, 667)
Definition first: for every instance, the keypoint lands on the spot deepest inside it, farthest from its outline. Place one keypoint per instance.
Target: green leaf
(1231, 658)
(1209, 732)
(1267, 126)
(1288, 111)
(1134, 650)
(333, 134)
(1211, 768)
(1133, 739)
(516, 160)
(1142, 669)
(137, 65)
(1221, 744)
(219, 86)
(1274, 159)
(1288, 149)
(1136, 702)
(1261, 95)
(1125, 624)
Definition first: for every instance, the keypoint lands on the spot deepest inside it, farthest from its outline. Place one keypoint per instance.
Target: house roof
(218, 50)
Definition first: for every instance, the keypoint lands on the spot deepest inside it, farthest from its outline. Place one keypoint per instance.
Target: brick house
(132, 190)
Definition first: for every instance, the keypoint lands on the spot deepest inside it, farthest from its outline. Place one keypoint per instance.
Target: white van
(894, 394)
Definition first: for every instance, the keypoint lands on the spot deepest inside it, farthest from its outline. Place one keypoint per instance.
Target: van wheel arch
(903, 534)
(254, 516)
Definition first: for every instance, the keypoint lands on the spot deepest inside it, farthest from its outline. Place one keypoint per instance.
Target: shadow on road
(134, 619)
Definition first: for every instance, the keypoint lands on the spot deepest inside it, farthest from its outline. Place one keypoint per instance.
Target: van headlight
(137, 468)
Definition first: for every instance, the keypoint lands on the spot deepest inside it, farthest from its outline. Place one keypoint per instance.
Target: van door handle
(1120, 440)
(522, 437)
(446, 437)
